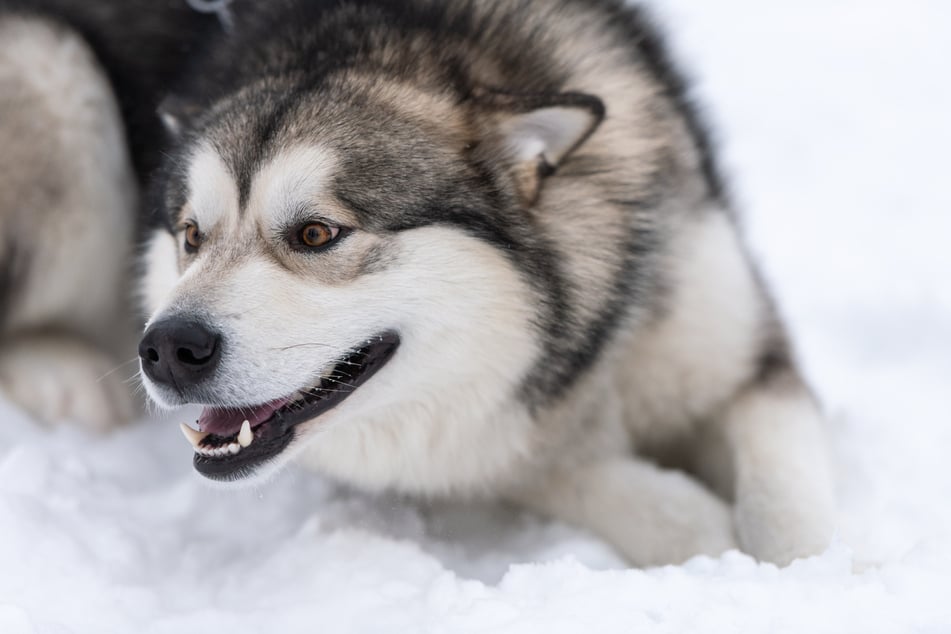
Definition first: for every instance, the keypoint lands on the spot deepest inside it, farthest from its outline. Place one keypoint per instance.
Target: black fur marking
(774, 361)
(521, 103)
(12, 276)
(575, 357)
(166, 197)
(646, 36)
(776, 369)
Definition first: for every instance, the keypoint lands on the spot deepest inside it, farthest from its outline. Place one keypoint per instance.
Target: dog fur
(528, 199)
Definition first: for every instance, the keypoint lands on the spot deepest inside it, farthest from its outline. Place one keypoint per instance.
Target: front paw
(60, 379)
(781, 533)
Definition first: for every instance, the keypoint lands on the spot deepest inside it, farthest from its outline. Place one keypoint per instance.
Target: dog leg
(67, 200)
(782, 485)
(652, 515)
(60, 378)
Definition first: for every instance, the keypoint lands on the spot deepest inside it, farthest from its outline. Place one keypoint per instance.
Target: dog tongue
(226, 421)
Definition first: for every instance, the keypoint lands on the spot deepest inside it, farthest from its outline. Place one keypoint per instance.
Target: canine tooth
(194, 437)
(245, 436)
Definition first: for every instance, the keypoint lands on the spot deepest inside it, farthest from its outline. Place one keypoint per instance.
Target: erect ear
(532, 135)
(176, 113)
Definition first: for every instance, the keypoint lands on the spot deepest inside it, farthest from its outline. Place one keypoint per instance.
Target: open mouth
(233, 442)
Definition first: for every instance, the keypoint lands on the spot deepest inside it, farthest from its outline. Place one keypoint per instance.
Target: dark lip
(275, 434)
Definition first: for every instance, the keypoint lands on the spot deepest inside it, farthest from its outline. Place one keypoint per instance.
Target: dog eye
(317, 234)
(193, 237)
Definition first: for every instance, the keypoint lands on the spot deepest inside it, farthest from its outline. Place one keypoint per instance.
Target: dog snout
(179, 353)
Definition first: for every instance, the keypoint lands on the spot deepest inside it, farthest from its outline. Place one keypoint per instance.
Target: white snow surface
(833, 120)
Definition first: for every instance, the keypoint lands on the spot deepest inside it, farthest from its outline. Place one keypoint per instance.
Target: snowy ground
(834, 122)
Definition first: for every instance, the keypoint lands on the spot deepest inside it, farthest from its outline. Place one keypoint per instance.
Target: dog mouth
(234, 441)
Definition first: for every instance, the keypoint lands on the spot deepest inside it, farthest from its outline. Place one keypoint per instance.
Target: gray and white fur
(521, 195)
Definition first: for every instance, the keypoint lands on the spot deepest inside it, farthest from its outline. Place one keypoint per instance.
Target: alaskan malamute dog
(448, 248)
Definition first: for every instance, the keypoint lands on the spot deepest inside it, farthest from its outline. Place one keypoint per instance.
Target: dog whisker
(319, 391)
(345, 362)
(339, 382)
(117, 368)
(302, 345)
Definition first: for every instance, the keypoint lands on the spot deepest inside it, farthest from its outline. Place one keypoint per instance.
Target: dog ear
(176, 113)
(532, 135)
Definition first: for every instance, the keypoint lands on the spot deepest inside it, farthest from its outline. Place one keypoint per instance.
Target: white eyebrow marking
(290, 181)
(212, 190)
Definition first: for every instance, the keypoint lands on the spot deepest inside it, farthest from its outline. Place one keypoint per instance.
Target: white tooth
(234, 448)
(194, 437)
(245, 436)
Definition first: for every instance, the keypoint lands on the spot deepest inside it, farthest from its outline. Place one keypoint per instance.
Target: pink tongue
(226, 421)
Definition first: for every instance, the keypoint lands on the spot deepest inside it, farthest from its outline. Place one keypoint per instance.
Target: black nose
(179, 353)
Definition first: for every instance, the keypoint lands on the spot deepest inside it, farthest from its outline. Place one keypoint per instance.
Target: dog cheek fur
(444, 415)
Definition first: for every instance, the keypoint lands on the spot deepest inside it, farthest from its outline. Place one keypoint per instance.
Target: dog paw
(60, 379)
(719, 532)
(798, 533)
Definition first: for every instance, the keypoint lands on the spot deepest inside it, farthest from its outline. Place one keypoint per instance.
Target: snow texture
(833, 118)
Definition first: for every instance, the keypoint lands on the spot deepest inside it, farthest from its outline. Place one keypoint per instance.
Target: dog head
(326, 254)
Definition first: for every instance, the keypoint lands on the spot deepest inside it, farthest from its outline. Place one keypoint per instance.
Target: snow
(833, 118)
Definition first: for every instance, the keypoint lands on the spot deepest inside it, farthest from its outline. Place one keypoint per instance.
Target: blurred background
(834, 125)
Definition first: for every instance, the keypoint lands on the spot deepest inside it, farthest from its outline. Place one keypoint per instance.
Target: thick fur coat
(445, 248)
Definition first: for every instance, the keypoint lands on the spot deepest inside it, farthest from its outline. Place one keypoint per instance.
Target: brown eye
(193, 237)
(317, 234)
